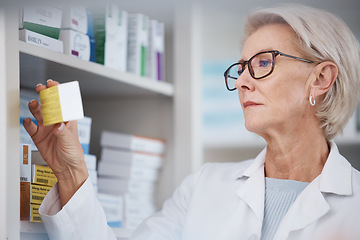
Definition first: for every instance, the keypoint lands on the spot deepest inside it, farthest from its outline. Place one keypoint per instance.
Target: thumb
(59, 129)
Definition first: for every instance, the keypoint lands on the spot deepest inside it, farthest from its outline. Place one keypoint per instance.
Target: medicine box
(41, 40)
(77, 18)
(61, 103)
(138, 44)
(111, 34)
(34, 212)
(42, 175)
(43, 19)
(76, 44)
(157, 51)
(38, 193)
(84, 132)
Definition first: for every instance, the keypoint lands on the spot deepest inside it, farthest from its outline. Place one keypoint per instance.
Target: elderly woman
(298, 82)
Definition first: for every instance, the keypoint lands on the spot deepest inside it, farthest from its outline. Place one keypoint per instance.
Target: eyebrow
(262, 50)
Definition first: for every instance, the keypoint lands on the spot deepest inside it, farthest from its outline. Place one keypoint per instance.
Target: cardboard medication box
(38, 193)
(41, 40)
(43, 19)
(138, 44)
(84, 131)
(111, 34)
(61, 103)
(113, 209)
(157, 51)
(25, 178)
(25, 97)
(42, 175)
(77, 18)
(76, 44)
(34, 211)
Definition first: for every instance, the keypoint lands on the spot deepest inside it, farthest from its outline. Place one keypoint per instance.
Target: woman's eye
(264, 63)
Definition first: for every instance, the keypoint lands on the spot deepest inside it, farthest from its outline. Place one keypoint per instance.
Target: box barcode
(37, 198)
(42, 180)
(37, 218)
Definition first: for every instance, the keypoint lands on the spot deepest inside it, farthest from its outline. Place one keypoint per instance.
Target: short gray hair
(321, 36)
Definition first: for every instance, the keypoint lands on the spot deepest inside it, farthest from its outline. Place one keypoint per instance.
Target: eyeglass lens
(260, 66)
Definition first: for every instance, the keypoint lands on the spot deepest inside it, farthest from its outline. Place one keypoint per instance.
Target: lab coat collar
(257, 163)
(252, 191)
(336, 174)
(336, 165)
(311, 204)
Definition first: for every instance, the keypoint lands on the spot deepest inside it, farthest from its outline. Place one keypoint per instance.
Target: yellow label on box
(34, 212)
(38, 193)
(43, 175)
(50, 106)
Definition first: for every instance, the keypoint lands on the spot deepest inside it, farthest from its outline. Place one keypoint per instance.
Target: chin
(254, 126)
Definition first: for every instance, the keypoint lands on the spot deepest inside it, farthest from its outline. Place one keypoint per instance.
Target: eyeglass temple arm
(301, 59)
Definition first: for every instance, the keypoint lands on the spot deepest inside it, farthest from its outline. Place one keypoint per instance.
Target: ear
(326, 74)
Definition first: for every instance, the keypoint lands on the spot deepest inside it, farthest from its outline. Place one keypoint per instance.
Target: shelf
(39, 64)
(32, 227)
(122, 233)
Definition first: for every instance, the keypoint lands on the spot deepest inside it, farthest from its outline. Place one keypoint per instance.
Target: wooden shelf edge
(163, 88)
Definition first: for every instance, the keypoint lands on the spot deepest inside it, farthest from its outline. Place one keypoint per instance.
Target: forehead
(270, 37)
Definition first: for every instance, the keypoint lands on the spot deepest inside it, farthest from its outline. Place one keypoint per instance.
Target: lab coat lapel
(311, 204)
(246, 221)
(252, 191)
(308, 208)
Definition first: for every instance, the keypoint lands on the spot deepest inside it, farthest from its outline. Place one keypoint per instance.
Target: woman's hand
(60, 148)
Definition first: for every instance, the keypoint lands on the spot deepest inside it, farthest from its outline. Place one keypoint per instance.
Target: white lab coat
(226, 201)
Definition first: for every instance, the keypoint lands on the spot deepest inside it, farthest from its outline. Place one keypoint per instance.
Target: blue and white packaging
(76, 44)
(25, 97)
(77, 18)
(113, 208)
(84, 132)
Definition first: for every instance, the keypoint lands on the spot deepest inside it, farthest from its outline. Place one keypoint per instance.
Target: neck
(301, 158)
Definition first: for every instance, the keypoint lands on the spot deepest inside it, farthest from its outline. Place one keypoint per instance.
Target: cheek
(288, 96)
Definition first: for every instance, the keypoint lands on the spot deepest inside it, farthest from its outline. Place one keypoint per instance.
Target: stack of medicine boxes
(129, 167)
(40, 25)
(77, 33)
(36, 180)
(111, 33)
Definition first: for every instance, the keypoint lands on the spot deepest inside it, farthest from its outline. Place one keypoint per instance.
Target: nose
(245, 81)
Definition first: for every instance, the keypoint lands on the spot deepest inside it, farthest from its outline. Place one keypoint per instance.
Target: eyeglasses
(260, 65)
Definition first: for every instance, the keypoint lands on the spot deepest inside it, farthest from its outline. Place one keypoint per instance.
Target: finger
(30, 127)
(51, 83)
(35, 110)
(72, 125)
(40, 87)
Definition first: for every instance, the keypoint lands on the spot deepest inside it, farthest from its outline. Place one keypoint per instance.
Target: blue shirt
(279, 196)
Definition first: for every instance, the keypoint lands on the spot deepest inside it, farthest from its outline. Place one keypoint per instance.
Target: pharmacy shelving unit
(114, 100)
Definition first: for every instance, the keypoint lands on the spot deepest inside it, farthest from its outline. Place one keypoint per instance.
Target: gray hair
(321, 36)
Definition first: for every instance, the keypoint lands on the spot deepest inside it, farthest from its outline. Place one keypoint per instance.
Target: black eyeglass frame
(274, 53)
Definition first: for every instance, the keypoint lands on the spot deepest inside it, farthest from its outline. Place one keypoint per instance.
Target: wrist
(70, 181)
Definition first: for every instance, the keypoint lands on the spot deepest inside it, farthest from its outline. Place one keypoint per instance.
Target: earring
(312, 100)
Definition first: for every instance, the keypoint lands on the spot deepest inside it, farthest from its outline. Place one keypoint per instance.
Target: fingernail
(26, 120)
(38, 85)
(49, 80)
(61, 127)
(34, 100)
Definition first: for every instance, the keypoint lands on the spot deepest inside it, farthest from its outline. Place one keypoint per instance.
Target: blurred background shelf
(39, 64)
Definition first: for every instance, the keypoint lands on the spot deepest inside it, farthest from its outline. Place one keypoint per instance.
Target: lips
(250, 104)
